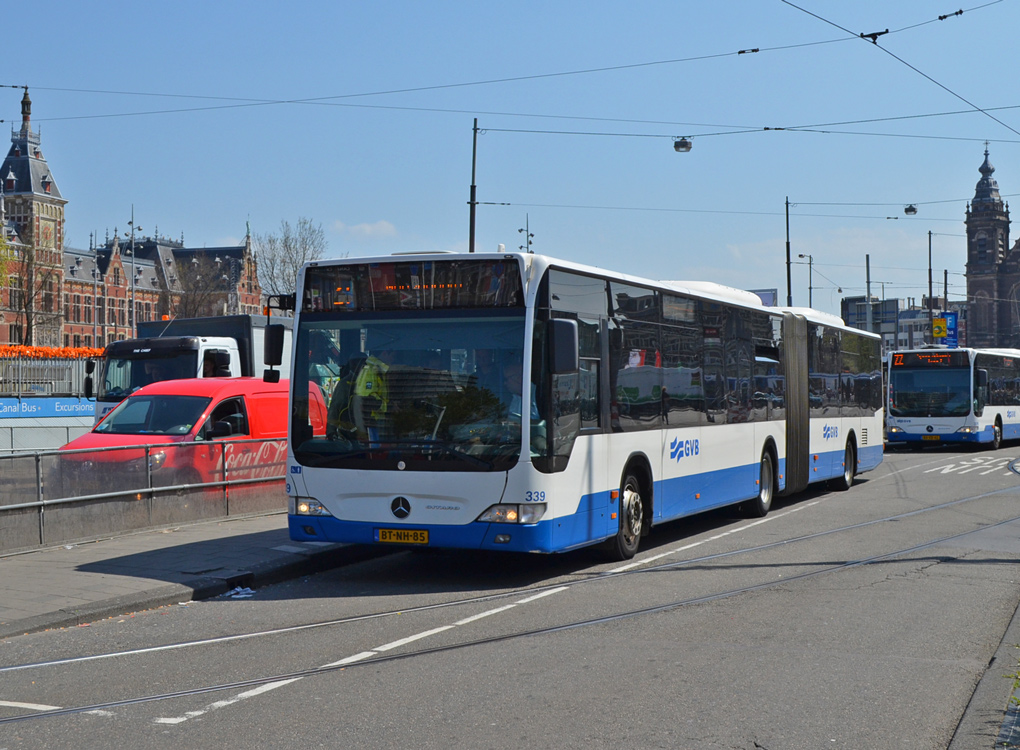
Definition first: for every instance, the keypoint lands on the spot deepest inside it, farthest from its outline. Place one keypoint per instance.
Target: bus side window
(980, 391)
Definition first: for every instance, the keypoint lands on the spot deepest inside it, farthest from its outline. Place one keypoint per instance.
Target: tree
(280, 256)
(34, 277)
(203, 287)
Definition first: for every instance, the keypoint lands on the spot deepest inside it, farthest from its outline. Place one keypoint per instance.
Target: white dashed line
(29, 706)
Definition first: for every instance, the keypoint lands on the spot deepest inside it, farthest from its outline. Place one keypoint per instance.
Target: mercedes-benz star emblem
(930, 428)
(400, 507)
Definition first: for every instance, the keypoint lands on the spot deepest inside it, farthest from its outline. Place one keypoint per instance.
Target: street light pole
(789, 285)
(931, 314)
(811, 278)
(132, 317)
(472, 202)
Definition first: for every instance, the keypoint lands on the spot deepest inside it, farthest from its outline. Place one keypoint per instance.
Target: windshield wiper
(446, 447)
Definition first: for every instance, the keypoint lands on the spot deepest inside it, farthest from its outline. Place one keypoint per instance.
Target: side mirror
(273, 354)
(563, 346)
(90, 366)
(88, 386)
(219, 430)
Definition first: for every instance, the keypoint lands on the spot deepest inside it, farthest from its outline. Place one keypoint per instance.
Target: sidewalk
(77, 583)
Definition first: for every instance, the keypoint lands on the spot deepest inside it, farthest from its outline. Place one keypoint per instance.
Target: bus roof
(706, 290)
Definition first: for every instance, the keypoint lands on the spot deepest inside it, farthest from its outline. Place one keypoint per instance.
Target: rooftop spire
(26, 112)
(987, 190)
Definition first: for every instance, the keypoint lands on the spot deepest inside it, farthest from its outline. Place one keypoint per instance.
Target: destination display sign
(941, 358)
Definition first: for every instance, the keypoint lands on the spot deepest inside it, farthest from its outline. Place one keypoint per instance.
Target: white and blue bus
(645, 402)
(954, 396)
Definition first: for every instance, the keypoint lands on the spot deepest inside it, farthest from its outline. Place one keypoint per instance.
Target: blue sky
(208, 115)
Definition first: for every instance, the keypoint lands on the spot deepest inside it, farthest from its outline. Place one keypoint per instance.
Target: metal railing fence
(53, 497)
(42, 377)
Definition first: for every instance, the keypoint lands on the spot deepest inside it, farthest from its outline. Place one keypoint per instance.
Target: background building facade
(53, 295)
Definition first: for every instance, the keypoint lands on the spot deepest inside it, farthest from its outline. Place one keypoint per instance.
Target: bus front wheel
(996, 436)
(624, 545)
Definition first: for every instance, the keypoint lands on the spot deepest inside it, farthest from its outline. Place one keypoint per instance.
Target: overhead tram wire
(874, 39)
(246, 102)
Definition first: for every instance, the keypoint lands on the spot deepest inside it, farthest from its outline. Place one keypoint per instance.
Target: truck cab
(132, 364)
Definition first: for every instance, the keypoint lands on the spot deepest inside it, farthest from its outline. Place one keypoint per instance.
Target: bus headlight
(306, 506)
(968, 430)
(894, 430)
(525, 513)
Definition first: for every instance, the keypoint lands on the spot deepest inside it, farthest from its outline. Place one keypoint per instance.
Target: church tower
(35, 208)
(990, 272)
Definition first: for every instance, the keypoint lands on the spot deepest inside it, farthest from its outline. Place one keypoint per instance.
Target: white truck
(221, 346)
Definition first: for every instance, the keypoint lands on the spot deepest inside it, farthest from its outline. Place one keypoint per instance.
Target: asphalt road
(862, 619)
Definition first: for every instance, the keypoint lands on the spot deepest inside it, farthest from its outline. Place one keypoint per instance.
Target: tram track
(593, 578)
(374, 658)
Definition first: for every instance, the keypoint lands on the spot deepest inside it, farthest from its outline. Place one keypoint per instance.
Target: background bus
(954, 395)
(642, 402)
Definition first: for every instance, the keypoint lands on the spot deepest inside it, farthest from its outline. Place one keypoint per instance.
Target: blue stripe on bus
(592, 522)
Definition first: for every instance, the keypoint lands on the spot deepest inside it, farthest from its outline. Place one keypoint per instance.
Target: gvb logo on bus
(683, 448)
(830, 432)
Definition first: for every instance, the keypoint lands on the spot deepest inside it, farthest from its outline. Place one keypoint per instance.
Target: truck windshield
(435, 390)
(930, 392)
(122, 375)
(154, 415)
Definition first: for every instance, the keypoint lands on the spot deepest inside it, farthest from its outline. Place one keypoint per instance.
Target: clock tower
(33, 206)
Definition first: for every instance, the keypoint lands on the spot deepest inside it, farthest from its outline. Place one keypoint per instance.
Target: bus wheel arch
(846, 480)
(996, 433)
(634, 509)
(768, 483)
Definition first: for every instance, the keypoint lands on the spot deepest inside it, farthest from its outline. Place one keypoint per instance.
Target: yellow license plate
(930, 437)
(402, 536)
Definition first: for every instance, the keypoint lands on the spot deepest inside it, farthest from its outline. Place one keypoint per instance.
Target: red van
(204, 424)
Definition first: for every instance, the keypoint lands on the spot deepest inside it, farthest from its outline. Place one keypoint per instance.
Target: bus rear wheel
(760, 506)
(624, 545)
(846, 480)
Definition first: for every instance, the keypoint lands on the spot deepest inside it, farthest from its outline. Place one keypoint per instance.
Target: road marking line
(542, 594)
(351, 659)
(479, 616)
(29, 706)
(692, 545)
(413, 638)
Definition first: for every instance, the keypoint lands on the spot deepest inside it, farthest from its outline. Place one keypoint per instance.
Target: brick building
(53, 295)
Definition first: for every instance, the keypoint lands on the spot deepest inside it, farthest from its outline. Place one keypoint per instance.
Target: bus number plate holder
(931, 437)
(402, 536)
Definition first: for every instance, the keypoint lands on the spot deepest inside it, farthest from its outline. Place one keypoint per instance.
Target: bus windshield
(123, 375)
(428, 391)
(929, 392)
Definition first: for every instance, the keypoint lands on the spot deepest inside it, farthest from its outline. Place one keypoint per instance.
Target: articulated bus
(954, 396)
(517, 402)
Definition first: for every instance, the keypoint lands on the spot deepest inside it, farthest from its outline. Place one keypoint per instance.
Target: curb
(286, 567)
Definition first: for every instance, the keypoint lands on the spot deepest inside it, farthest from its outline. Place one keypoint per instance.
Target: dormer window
(17, 150)
(9, 181)
(47, 183)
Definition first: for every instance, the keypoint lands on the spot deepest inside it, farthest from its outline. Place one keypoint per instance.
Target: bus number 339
(534, 496)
